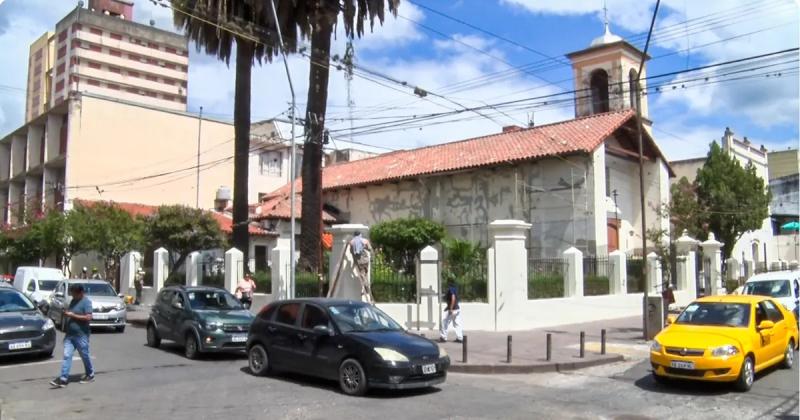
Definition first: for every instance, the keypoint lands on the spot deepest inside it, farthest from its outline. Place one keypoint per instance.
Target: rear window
(14, 301)
(771, 288)
(48, 285)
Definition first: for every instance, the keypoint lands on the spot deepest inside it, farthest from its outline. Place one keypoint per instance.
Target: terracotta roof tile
(278, 208)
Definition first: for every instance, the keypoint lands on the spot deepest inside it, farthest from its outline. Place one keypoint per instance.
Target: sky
(477, 53)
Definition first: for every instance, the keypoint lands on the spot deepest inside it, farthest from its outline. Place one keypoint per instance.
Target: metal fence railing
(470, 281)
(307, 284)
(634, 267)
(391, 285)
(596, 273)
(546, 278)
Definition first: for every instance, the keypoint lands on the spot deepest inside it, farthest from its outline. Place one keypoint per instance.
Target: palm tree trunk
(317, 102)
(241, 127)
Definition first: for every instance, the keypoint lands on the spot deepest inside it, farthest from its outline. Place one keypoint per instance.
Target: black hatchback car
(23, 329)
(352, 342)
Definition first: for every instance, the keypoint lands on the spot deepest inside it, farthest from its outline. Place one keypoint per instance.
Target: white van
(784, 286)
(37, 282)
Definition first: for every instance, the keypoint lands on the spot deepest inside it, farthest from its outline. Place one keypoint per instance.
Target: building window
(599, 87)
(151, 78)
(76, 27)
(95, 48)
(114, 70)
(60, 68)
(38, 55)
(118, 37)
(150, 94)
(62, 51)
(115, 53)
(153, 46)
(169, 66)
(112, 86)
(94, 65)
(169, 98)
(133, 57)
(96, 31)
(632, 91)
(93, 82)
(62, 36)
(270, 163)
(59, 85)
(133, 74)
(169, 82)
(132, 90)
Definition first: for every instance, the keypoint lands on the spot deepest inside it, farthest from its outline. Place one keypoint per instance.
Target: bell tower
(605, 75)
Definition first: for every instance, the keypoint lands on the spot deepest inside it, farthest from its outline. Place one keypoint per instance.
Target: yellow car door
(779, 331)
(762, 340)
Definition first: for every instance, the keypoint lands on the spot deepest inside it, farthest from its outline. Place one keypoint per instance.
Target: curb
(495, 369)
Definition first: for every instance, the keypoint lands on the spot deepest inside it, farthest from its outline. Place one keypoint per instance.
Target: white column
(128, 267)
(684, 247)
(281, 268)
(654, 277)
(192, 268)
(234, 268)
(347, 285)
(510, 272)
(619, 272)
(573, 281)
(428, 313)
(691, 271)
(160, 268)
(712, 251)
(732, 271)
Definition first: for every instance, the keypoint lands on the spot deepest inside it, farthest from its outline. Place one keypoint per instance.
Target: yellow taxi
(725, 339)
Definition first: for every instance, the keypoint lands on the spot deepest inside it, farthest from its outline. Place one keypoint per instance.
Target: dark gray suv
(23, 329)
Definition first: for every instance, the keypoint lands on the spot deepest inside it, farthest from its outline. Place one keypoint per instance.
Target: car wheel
(120, 329)
(153, 340)
(191, 348)
(352, 378)
(258, 360)
(788, 356)
(747, 375)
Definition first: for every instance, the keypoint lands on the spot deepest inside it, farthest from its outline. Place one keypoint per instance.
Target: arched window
(632, 76)
(599, 88)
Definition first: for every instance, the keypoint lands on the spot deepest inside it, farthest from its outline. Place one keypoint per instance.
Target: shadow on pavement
(177, 350)
(312, 381)
(689, 387)
(23, 358)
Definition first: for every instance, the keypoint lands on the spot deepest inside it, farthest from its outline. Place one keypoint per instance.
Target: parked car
(202, 319)
(725, 339)
(108, 308)
(784, 286)
(23, 329)
(37, 283)
(354, 343)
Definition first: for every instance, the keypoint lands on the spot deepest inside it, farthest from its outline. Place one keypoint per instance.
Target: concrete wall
(783, 163)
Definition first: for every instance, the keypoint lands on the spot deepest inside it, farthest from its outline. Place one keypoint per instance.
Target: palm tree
(215, 26)
(316, 20)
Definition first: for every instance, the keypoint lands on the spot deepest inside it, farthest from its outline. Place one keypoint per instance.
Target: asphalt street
(138, 382)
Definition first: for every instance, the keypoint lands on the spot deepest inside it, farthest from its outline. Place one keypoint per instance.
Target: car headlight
(389, 355)
(442, 352)
(212, 325)
(120, 306)
(48, 325)
(724, 351)
(655, 347)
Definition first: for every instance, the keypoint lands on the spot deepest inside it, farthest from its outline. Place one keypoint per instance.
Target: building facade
(40, 66)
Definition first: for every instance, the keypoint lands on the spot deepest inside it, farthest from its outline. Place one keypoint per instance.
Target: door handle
(272, 329)
(301, 336)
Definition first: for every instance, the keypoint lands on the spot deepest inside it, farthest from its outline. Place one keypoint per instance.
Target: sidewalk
(487, 350)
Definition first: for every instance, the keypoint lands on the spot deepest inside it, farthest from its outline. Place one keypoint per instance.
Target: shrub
(401, 239)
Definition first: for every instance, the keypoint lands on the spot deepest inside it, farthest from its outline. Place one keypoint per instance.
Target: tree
(181, 230)
(683, 209)
(214, 26)
(401, 239)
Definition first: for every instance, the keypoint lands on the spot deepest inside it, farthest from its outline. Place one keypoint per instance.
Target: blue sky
(686, 120)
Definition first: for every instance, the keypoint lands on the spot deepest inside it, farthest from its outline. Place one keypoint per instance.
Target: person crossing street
(453, 315)
(76, 337)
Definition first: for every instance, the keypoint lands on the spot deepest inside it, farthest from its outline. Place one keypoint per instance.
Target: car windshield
(358, 318)
(772, 288)
(14, 301)
(98, 289)
(213, 300)
(47, 285)
(716, 313)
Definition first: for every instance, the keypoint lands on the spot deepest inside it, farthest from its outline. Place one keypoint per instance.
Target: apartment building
(40, 66)
(101, 50)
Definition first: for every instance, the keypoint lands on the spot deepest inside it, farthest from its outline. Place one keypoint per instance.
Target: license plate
(428, 369)
(239, 338)
(19, 345)
(682, 365)
(99, 316)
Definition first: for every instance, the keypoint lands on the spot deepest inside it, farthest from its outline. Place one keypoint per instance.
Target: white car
(37, 283)
(784, 286)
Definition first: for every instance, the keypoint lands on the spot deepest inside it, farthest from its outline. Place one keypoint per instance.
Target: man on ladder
(361, 250)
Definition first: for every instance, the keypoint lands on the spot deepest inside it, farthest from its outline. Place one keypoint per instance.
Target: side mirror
(766, 325)
(42, 305)
(671, 319)
(59, 295)
(177, 305)
(323, 330)
(120, 295)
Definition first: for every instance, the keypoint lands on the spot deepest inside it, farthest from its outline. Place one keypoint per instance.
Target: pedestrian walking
(76, 337)
(138, 285)
(668, 296)
(453, 315)
(245, 290)
(84, 273)
(96, 274)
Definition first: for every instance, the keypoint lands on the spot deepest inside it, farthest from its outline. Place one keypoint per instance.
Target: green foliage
(181, 230)
(465, 266)
(402, 239)
(683, 209)
(545, 286)
(595, 285)
(263, 281)
(662, 247)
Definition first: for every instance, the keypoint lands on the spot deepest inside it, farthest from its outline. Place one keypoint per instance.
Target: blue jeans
(72, 343)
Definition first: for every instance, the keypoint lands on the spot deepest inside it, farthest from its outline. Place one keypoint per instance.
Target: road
(137, 382)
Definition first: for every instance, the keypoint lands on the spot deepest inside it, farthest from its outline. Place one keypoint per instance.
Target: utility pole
(349, 60)
(639, 129)
(199, 131)
(293, 159)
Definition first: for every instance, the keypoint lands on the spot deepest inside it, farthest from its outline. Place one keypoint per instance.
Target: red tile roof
(579, 135)
(145, 210)
(279, 208)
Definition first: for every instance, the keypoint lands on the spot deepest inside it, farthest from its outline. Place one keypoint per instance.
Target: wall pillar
(347, 286)
(281, 272)
(192, 268)
(160, 268)
(234, 268)
(732, 269)
(655, 278)
(619, 272)
(428, 311)
(510, 271)
(573, 281)
(712, 253)
(129, 265)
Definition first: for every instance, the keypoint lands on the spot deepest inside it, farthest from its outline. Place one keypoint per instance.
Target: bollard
(464, 350)
(508, 350)
(603, 341)
(549, 346)
(583, 343)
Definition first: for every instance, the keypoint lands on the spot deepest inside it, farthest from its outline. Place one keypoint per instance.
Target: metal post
(464, 350)
(549, 346)
(583, 344)
(293, 159)
(508, 350)
(603, 341)
(199, 130)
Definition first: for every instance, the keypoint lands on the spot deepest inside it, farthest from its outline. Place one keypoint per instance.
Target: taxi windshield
(716, 313)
